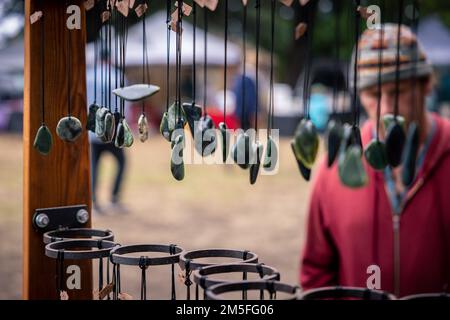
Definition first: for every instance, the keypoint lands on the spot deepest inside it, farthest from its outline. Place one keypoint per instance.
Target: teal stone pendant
(410, 155)
(395, 142)
(225, 141)
(69, 129)
(306, 143)
(43, 140)
(271, 157)
(305, 172)
(143, 128)
(120, 135)
(176, 160)
(333, 138)
(193, 114)
(254, 168)
(375, 154)
(242, 151)
(128, 134)
(90, 125)
(351, 169)
(164, 126)
(205, 139)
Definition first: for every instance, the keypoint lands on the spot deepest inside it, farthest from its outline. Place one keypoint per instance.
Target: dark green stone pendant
(375, 154)
(175, 117)
(90, 125)
(69, 129)
(100, 121)
(205, 138)
(242, 151)
(176, 160)
(306, 143)
(143, 128)
(395, 142)
(271, 157)
(334, 136)
(43, 140)
(410, 155)
(164, 126)
(128, 135)
(225, 141)
(110, 127)
(305, 172)
(254, 168)
(193, 113)
(351, 169)
(120, 136)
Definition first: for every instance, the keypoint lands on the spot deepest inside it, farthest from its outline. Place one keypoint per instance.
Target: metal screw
(82, 216)
(42, 220)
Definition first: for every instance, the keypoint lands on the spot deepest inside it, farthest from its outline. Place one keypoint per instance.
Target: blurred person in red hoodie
(403, 231)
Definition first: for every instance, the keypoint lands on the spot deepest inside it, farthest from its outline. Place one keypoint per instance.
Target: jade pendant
(90, 125)
(69, 129)
(334, 136)
(395, 142)
(389, 118)
(205, 138)
(410, 154)
(120, 136)
(193, 113)
(254, 168)
(351, 169)
(306, 143)
(271, 157)
(225, 141)
(128, 134)
(164, 126)
(176, 160)
(110, 127)
(143, 128)
(375, 154)
(242, 151)
(100, 121)
(305, 172)
(43, 140)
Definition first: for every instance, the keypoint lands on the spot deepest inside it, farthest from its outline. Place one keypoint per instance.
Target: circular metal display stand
(54, 249)
(346, 293)
(119, 257)
(77, 233)
(188, 263)
(428, 296)
(273, 287)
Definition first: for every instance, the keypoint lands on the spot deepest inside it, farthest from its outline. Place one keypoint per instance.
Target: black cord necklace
(43, 140)
(225, 135)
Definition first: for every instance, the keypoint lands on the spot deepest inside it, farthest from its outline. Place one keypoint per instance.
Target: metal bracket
(60, 217)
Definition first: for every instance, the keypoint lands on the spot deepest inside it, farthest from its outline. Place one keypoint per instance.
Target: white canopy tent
(157, 45)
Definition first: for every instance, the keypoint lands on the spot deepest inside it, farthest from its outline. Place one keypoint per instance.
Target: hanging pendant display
(176, 162)
(128, 134)
(120, 136)
(305, 172)
(69, 129)
(143, 128)
(410, 154)
(164, 126)
(43, 140)
(333, 138)
(306, 143)
(271, 157)
(242, 151)
(254, 168)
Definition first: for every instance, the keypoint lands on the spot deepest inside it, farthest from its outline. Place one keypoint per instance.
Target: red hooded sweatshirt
(351, 229)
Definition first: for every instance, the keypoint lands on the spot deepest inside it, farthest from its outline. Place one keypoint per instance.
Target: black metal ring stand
(344, 293)
(273, 287)
(77, 233)
(428, 296)
(118, 258)
(188, 265)
(201, 276)
(73, 249)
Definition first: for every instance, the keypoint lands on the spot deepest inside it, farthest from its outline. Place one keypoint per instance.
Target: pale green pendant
(271, 157)
(225, 141)
(176, 160)
(69, 129)
(242, 151)
(43, 140)
(305, 172)
(110, 127)
(306, 143)
(164, 126)
(143, 128)
(389, 118)
(128, 134)
(375, 154)
(254, 168)
(351, 169)
(136, 92)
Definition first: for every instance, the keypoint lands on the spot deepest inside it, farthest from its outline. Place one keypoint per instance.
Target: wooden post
(63, 177)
